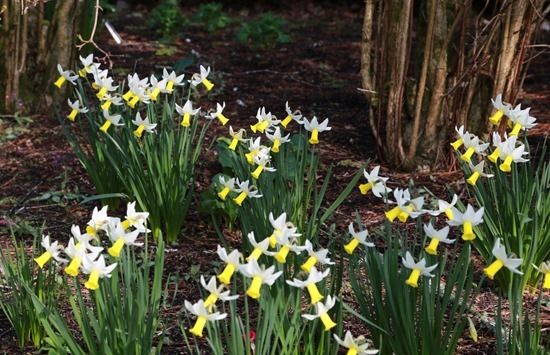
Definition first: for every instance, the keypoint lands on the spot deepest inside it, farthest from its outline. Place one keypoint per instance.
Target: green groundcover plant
(141, 143)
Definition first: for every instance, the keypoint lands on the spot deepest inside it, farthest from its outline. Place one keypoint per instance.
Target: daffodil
(75, 109)
(259, 247)
(279, 224)
(277, 139)
(262, 161)
(288, 242)
(315, 257)
(135, 219)
(103, 85)
(406, 207)
(108, 100)
(472, 144)
(321, 311)
(236, 137)
(245, 190)
(511, 152)
(255, 148)
(219, 114)
(259, 276)
(477, 171)
(215, 293)
(228, 186)
(355, 346)
(375, 183)
(357, 238)
(110, 120)
(265, 121)
(291, 116)
(135, 84)
(65, 75)
(52, 251)
(461, 135)
(202, 78)
(87, 65)
(203, 315)
(445, 207)
(172, 79)
(502, 259)
(313, 277)
(143, 125)
(436, 237)
(467, 220)
(77, 252)
(97, 270)
(157, 86)
(99, 221)
(521, 121)
(186, 112)
(501, 108)
(119, 237)
(315, 128)
(498, 143)
(232, 261)
(418, 269)
(544, 268)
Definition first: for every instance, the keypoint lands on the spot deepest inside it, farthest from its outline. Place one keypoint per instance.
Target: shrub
(265, 32)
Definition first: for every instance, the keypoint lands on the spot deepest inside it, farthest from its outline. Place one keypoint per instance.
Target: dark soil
(317, 72)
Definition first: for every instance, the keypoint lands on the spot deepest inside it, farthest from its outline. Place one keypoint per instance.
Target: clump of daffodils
(84, 252)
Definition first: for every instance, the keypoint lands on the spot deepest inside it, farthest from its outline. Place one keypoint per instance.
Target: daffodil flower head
(203, 315)
(104, 85)
(77, 252)
(265, 121)
(255, 148)
(501, 108)
(521, 121)
(277, 139)
(436, 237)
(315, 128)
(287, 240)
(375, 183)
(245, 190)
(236, 137)
(418, 269)
(315, 257)
(313, 277)
(172, 79)
(110, 120)
(202, 78)
(467, 220)
(260, 248)
(157, 86)
(497, 144)
(262, 161)
(472, 144)
(445, 207)
(511, 152)
(96, 269)
(461, 135)
(99, 221)
(544, 268)
(477, 171)
(52, 250)
(502, 259)
(215, 292)
(259, 276)
(291, 116)
(135, 219)
(232, 261)
(119, 237)
(355, 346)
(76, 108)
(357, 238)
(87, 65)
(278, 224)
(219, 114)
(143, 125)
(64, 76)
(321, 311)
(186, 112)
(228, 186)
(406, 207)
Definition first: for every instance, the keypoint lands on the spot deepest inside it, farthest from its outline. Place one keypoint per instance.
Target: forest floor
(41, 180)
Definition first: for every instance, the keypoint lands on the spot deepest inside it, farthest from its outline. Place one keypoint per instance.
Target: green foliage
(517, 210)
(121, 317)
(18, 273)
(166, 19)
(212, 16)
(405, 320)
(264, 32)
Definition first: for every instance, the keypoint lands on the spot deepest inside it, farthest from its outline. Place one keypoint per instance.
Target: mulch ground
(317, 72)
